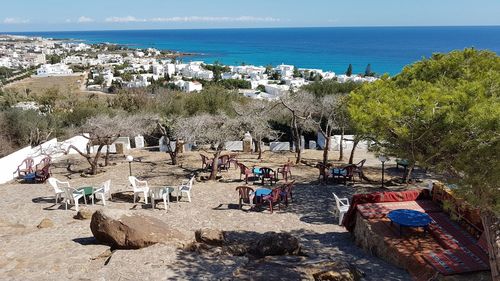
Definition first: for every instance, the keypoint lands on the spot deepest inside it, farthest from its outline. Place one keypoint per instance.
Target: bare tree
(254, 118)
(103, 130)
(324, 118)
(165, 128)
(299, 105)
(214, 130)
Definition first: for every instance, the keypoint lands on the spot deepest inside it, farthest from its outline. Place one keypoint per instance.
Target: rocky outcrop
(275, 244)
(211, 237)
(83, 214)
(125, 230)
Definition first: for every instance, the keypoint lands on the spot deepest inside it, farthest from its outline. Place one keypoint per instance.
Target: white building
(229, 75)
(285, 70)
(188, 86)
(277, 90)
(158, 69)
(59, 69)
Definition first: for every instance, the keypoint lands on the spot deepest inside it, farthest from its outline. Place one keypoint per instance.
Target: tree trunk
(297, 140)
(215, 165)
(106, 158)
(354, 145)
(325, 150)
(94, 163)
(173, 156)
(341, 148)
(409, 170)
(491, 226)
(259, 149)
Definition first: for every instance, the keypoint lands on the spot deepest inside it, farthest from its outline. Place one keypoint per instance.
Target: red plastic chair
(285, 171)
(244, 170)
(346, 173)
(26, 167)
(273, 199)
(205, 162)
(244, 194)
(287, 191)
(224, 163)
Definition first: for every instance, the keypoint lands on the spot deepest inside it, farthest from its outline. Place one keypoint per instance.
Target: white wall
(55, 149)
(10, 162)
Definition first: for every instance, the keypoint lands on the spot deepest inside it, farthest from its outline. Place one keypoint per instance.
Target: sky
(62, 15)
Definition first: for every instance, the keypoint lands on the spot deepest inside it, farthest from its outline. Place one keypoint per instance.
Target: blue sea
(387, 49)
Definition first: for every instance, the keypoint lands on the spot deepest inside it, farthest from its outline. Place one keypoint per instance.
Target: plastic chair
(244, 193)
(342, 206)
(26, 167)
(58, 187)
(205, 162)
(186, 188)
(273, 198)
(269, 174)
(359, 169)
(139, 187)
(285, 171)
(287, 191)
(224, 163)
(73, 195)
(162, 193)
(103, 191)
(244, 170)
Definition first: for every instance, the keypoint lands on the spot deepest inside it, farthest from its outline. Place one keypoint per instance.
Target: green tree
(368, 70)
(349, 70)
(444, 113)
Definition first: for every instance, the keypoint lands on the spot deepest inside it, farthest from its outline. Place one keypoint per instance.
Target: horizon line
(277, 27)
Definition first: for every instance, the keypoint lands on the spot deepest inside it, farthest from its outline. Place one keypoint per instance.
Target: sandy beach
(68, 250)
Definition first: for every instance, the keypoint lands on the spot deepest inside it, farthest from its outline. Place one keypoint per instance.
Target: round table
(409, 218)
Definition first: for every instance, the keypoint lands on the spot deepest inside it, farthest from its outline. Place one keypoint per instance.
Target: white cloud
(124, 19)
(216, 19)
(84, 19)
(15, 21)
(194, 19)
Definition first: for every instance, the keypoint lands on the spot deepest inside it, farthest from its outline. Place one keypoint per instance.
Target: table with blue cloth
(409, 218)
(260, 193)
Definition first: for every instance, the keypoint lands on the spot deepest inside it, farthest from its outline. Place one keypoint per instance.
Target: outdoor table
(31, 177)
(156, 192)
(337, 173)
(409, 218)
(259, 193)
(87, 191)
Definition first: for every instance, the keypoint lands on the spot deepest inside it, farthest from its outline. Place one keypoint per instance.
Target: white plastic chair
(103, 191)
(139, 187)
(162, 193)
(342, 207)
(186, 188)
(73, 195)
(58, 187)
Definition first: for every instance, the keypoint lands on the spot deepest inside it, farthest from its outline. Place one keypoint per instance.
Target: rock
(275, 244)
(336, 271)
(83, 214)
(45, 223)
(123, 230)
(211, 237)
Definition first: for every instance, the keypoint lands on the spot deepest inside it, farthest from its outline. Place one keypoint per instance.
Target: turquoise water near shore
(387, 49)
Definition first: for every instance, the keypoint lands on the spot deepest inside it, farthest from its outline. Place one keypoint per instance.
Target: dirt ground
(68, 250)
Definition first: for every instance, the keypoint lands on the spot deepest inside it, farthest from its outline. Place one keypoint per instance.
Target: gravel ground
(68, 250)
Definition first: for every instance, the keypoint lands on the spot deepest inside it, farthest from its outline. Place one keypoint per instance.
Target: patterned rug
(461, 252)
(380, 210)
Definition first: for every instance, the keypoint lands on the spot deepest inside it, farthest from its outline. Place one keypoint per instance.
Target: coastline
(387, 49)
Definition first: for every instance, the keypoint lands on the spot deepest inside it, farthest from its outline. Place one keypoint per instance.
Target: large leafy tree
(444, 113)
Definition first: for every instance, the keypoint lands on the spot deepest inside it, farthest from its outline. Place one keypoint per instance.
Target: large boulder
(125, 230)
(211, 237)
(275, 244)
